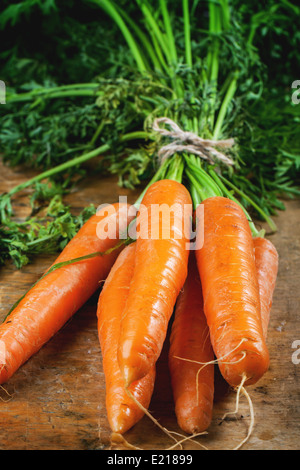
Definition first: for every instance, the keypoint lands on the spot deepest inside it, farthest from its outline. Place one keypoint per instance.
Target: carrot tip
(119, 424)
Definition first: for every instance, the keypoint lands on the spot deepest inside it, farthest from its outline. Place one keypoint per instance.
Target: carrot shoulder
(266, 261)
(230, 288)
(122, 411)
(193, 392)
(56, 297)
(159, 274)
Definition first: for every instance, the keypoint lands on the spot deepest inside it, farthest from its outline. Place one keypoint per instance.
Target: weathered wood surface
(57, 399)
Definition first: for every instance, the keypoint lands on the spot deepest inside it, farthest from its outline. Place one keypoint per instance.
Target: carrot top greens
(214, 67)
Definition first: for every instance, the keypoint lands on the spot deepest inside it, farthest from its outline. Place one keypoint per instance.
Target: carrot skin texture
(266, 261)
(190, 339)
(51, 302)
(159, 274)
(122, 411)
(230, 288)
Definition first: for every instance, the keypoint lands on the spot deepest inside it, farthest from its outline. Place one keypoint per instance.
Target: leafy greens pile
(96, 85)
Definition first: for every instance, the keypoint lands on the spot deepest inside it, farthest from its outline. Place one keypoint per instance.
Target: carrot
(159, 274)
(230, 288)
(122, 411)
(57, 296)
(193, 387)
(266, 260)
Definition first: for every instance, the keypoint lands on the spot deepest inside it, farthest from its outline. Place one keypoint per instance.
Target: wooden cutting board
(56, 401)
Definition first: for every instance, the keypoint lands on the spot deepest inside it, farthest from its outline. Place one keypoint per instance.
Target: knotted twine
(189, 142)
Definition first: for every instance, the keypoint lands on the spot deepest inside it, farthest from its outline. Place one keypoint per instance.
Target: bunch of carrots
(218, 295)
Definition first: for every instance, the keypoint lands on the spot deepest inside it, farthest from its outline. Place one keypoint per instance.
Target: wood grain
(56, 400)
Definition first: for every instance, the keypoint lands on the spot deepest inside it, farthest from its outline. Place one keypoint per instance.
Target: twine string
(189, 142)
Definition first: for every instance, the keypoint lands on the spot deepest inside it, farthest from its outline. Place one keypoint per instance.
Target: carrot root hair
(117, 439)
(6, 393)
(4, 389)
(216, 361)
(189, 438)
(165, 430)
(241, 389)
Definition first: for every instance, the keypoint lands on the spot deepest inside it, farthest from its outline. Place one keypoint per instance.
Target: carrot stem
(176, 168)
(267, 218)
(160, 174)
(229, 194)
(75, 161)
(169, 32)
(143, 38)
(111, 9)
(187, 33)
(224, 107)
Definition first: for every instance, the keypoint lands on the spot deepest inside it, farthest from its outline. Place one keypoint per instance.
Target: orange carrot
(122, 411)
(185, 335)
(266, 260)
(57, 296)
(193, 387)
(159, 274)
(230, 288)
